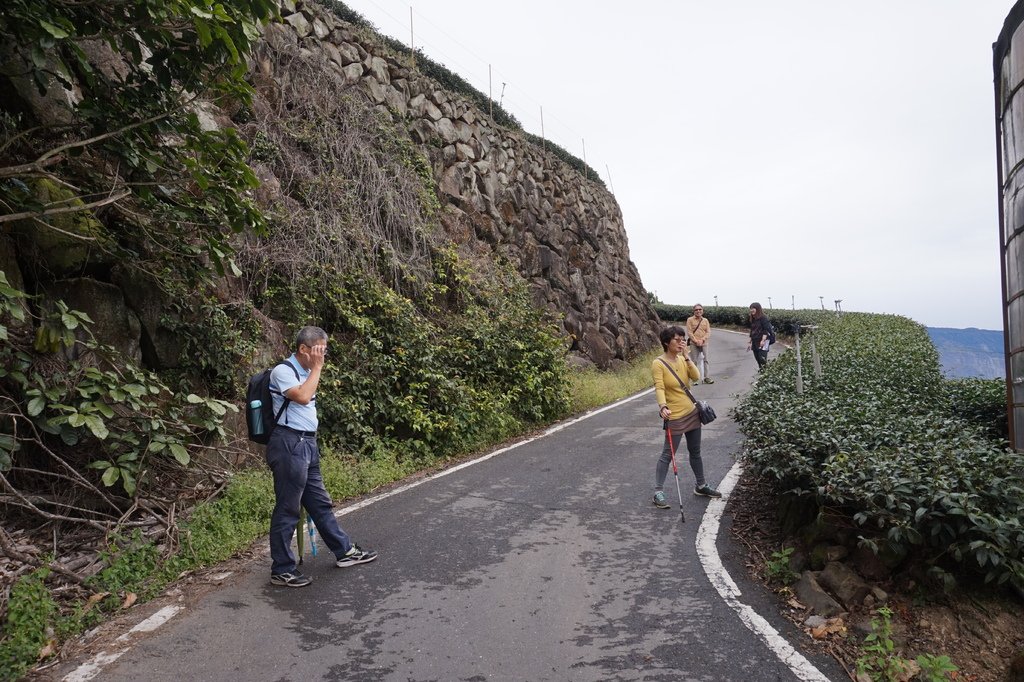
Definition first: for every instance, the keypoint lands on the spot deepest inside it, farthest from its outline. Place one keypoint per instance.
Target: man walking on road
(699, 330)
(294, 459)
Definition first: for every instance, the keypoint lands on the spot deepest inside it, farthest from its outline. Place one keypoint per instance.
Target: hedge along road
(544, 561)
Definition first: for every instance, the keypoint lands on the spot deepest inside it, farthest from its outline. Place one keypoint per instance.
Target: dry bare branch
(8, 549)
(65, 209)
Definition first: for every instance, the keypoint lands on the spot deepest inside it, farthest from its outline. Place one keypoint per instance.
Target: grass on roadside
(592, 388)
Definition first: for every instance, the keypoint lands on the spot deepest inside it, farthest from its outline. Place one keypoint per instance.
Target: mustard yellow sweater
(667, 389)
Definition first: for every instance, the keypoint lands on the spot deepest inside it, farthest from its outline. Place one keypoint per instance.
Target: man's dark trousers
(294, 459)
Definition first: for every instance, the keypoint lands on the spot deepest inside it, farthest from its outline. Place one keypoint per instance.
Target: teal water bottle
(256, 417)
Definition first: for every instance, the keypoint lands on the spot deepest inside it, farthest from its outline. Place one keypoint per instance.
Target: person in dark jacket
(760, 330)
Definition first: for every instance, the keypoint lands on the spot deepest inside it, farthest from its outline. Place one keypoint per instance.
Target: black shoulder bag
(705, 412)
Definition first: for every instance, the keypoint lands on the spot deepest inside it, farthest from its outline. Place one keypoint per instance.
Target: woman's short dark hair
(670, 332)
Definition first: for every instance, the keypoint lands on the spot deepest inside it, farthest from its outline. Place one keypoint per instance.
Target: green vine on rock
(72, 398)
(108, 108)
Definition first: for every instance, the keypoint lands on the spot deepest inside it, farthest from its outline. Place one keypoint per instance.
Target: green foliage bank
(914, 461)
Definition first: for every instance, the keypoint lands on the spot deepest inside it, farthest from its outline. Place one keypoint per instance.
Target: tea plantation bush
(784, 321)
(912, 459)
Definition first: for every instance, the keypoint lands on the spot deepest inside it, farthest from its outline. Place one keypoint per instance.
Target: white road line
(89, 670)
(726, 587)
(153, 622)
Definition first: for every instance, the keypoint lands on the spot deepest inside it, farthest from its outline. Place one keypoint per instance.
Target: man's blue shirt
(298, 417)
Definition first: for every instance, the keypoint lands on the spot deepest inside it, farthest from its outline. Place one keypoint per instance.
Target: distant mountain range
(970, 352)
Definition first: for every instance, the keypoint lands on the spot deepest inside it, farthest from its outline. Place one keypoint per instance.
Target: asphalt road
(545, 562)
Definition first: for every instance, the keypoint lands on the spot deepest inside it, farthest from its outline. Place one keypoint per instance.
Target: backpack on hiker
(260, 418)
(771, 332)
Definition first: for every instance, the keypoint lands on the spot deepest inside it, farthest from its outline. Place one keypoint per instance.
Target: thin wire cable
(523, 113)
(453, 63)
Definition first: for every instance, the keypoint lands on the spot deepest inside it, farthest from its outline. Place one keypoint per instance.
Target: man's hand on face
(315, 355)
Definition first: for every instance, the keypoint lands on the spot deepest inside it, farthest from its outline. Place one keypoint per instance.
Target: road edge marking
(726, 587)
(89, 670)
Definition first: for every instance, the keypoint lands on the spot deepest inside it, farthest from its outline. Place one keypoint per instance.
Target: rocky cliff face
(502, 195)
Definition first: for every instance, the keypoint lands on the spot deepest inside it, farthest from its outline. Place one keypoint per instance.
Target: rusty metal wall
(1008, 62)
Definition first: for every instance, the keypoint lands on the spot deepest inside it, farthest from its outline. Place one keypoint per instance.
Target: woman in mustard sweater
(678, 410)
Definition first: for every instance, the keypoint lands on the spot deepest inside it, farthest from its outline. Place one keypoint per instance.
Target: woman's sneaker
(706, 491)
(356, 556)
(295, 579)
(659, 500)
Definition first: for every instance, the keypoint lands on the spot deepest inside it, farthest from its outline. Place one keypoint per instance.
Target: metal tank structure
(1008, 65)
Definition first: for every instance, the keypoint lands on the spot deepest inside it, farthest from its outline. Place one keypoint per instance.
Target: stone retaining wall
(564, 233)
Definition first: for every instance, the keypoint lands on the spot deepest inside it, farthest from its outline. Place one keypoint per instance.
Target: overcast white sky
(793, 148)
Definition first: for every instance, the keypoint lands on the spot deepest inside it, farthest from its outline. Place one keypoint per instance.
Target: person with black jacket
(761, 334)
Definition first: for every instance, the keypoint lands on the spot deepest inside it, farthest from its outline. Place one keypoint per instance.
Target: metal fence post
(799, 366)
(815, 358)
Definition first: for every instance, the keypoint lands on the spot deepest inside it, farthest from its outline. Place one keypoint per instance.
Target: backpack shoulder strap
(284, 404)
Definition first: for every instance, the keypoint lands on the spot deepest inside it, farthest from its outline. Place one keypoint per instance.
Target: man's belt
(307, 434)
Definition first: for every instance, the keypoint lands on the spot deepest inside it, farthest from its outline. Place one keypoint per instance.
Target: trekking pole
(300, 533)
(675, 470)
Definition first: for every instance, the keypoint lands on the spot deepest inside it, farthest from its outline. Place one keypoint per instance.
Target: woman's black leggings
(696, 463)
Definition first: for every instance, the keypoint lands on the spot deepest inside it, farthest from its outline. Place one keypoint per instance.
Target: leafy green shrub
(875, 439)
(981, 402)
(936, 668)
(216, 339)
(99, 405)
(468, 362)
(778, 569)
(131, 565)
(880, 660)
(216, 529)
(30, 613)
(176, 202)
